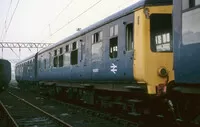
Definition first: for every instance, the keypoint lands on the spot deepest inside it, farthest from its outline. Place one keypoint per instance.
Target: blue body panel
(96, 65)
(186, 54)
(123, 65)
(26, 72)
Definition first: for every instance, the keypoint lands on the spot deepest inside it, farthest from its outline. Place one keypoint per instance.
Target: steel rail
(13, 122)
(46, 113)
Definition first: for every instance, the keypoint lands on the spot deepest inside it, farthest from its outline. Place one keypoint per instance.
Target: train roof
(26, 59)
(109, 19)
(4, 60)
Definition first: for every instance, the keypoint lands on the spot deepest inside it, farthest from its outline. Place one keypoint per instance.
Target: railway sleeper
(133, 102)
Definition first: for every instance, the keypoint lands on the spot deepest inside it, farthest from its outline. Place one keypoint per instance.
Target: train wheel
(184, 107)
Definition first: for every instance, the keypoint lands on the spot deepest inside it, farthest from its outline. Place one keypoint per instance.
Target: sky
(49, 21)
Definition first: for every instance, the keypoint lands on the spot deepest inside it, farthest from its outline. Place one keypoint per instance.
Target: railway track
(24, 114)
(76, 115)
(6, 120)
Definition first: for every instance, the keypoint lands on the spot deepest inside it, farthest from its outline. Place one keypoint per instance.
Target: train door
(97, 60)
(128, 39)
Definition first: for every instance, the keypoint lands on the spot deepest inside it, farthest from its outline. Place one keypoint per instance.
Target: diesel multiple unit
(122, 59)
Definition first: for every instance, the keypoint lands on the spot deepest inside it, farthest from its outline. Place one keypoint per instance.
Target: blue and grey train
(25, 71)
(123, 60)
(5, 73)
(186, 87)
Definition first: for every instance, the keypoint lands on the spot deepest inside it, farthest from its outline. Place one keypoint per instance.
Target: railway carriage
(186, 87)
(187, 42)
(5, 73)
(25, 71)
(128, 51)
(119, 61)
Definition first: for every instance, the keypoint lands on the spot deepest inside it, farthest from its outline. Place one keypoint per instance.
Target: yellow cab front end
(153, 56)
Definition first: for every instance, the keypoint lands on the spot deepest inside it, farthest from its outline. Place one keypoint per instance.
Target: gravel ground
(76, 118)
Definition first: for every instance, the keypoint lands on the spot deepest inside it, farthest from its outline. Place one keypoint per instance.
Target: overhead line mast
(21, 45)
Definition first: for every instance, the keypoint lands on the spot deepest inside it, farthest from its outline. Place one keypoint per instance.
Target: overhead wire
(75, 18)
(11, 19)
(6, 19)
(7, 28)
(58, 15)
(15, 53)
(63, 10)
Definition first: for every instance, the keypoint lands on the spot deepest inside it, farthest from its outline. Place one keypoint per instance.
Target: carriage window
(191, 3)
(74, 46)
(61, 51)
(197, 2)
(161, 32)
(55, 61)
(55, 52)
(129, 37)
(67, 48)
(113, 47)
(60, 60)
(111, 31)
(74, 54)
(114, 30)
(100, 36)
(97, 37)
(82, 50)
(74, 57)
(186, 4)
